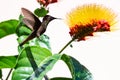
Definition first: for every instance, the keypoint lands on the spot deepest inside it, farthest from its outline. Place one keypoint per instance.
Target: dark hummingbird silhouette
(37, 27)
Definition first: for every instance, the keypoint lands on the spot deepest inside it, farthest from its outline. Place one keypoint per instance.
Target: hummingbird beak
(48, 17)
(59, 18)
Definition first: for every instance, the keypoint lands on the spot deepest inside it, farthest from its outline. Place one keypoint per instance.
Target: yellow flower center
(86, 14)
(86, 19)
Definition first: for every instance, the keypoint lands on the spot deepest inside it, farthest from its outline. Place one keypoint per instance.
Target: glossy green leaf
(78, 71)
(41, 12)
(61, 78)
(8, 27)
(7, 61)
(29, 60)
(42, 41)
(22, 29)
(44, 67)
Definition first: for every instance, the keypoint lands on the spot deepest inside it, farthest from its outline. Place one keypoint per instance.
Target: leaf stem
(8, 74)
(66, 46)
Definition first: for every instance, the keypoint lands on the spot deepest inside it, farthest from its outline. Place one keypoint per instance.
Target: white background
(100, 54)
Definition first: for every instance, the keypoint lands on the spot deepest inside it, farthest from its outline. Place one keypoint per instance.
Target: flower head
(46, 2)
(86, 19)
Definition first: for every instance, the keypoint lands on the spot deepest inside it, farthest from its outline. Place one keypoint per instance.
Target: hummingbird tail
(31, 36)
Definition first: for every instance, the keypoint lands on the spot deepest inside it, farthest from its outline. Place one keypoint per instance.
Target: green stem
(66, 45)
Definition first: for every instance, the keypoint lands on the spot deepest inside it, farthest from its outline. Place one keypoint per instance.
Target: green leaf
(8, 27)
(41, 12)
(7, 61)
(61, 78)
(42, 41)
(22, 29)
(78, 71)
(29, 60)
(44, 67)
(0, 74)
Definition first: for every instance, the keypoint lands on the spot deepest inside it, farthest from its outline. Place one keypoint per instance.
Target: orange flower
(46, 2)
(86, 19)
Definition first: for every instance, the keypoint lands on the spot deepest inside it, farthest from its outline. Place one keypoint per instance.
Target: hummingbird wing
(30, 19)
(32, 22)
(29, 23)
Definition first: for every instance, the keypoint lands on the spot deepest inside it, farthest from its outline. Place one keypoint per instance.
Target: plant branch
(8, 74)
(66, 45)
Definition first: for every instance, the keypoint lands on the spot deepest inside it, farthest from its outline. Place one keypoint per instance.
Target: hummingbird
(37, 27)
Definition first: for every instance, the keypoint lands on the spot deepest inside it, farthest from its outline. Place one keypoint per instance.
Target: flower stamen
(87, 19)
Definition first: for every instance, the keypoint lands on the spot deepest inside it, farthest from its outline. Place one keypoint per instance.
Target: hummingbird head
(49, 18)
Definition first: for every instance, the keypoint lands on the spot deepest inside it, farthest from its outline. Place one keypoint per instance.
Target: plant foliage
(35, 58)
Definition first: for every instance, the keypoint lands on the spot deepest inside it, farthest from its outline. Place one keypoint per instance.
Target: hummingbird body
(44, 24)
(37, 27)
